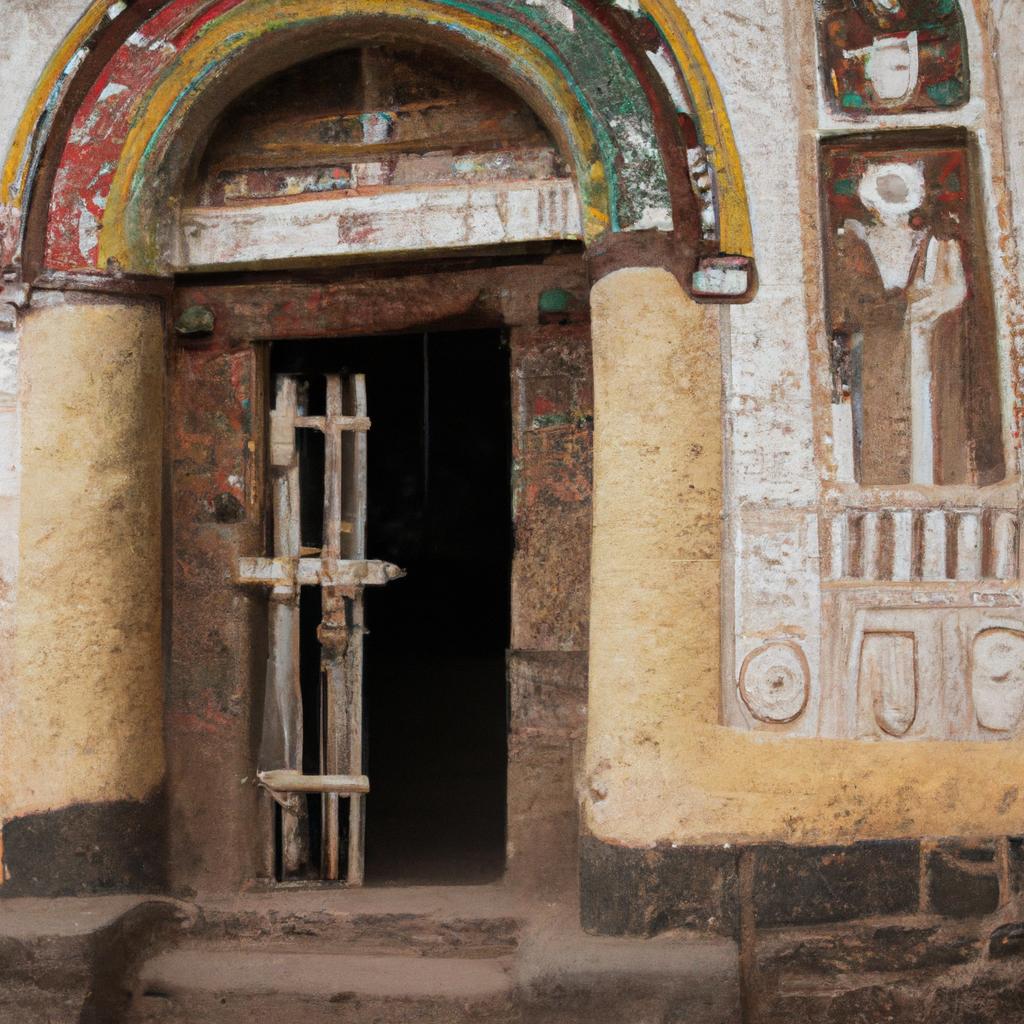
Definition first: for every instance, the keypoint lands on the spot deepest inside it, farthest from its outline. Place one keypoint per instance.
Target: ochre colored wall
(659, 767)
(84, 722)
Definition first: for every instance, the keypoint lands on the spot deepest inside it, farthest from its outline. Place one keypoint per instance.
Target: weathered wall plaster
(655, 604)
(1006, 25)
(30, 34)
(27, 39)
(85, 720)
(408, 221)
(10, 457)
(694, 780)
(662, 767)
(770, 573)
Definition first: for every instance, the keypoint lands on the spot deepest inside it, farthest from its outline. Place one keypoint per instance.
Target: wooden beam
(394, 221)
(295, 782)
(328, 424)
(314, 572)
(282, 739)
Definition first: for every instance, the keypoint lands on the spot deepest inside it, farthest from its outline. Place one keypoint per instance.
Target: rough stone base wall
(873, 932)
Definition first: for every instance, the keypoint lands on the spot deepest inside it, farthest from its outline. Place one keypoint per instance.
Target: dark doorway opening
(439, 486)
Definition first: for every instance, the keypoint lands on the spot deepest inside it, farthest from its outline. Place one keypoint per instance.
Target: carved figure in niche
(997, 678)
(915, 387)
(888, 56)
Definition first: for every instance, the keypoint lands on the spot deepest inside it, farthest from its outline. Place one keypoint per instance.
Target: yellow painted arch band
(736, 236)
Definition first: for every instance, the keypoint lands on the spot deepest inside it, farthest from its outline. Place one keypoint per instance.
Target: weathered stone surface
(656, 572)
(547, 691)
(551, 579)
(86, 848)
(877, 1003)
(73, 960)
(806, 885)
(827, 951)
(1016, 864)
(218, 656)
(994, 995)
(682, 978)
(552, 446)
(962, 880)
(1006, 941)
(643, 892)
(196, 320)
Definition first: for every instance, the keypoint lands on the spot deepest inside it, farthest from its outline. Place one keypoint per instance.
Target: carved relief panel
(906, 622)
(941, 670)
(891, 56)
(915, 379)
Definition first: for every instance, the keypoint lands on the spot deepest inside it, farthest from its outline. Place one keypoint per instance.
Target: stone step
(64, 959)
(467, 923)
(208, 986)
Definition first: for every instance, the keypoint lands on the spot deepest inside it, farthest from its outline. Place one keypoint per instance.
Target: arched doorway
(98, 200)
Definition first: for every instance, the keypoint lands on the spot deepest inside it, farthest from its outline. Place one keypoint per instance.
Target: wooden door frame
(215, 435)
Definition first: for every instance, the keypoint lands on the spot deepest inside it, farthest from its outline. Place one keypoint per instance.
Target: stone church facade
(510, 510)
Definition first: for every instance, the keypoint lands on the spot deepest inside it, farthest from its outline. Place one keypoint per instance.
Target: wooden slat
(283, 739)
(296, 782)
(328, 423)
(333, 631)
(354, 545)
(314, 572)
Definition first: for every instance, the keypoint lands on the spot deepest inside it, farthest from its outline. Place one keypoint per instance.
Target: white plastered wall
(1007, 25)
(9, 488)
(771, 573)
(779, 460)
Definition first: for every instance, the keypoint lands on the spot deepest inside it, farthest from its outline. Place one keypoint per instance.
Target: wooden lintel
(284, 781)
(313, 572)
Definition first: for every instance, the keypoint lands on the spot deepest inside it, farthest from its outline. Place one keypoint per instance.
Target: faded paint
(132, 142)
(1006, 24)
(405, 220)
(30, 61)
(85, 721)
(627, 165)
(693, 778)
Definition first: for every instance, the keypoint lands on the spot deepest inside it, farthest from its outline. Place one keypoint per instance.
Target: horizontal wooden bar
(405, 220)
(357, 424)
(314, 572)
(285, 781)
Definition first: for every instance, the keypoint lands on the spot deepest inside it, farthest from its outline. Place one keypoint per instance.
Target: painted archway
(625, 87)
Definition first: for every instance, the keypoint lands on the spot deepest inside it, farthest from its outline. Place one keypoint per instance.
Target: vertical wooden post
(333, 633)
(354, 546)
(282, 720)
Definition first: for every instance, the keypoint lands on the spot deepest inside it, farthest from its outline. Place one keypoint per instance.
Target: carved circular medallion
(775, 682)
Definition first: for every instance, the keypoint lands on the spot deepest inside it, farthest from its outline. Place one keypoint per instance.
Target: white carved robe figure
(895, 284)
